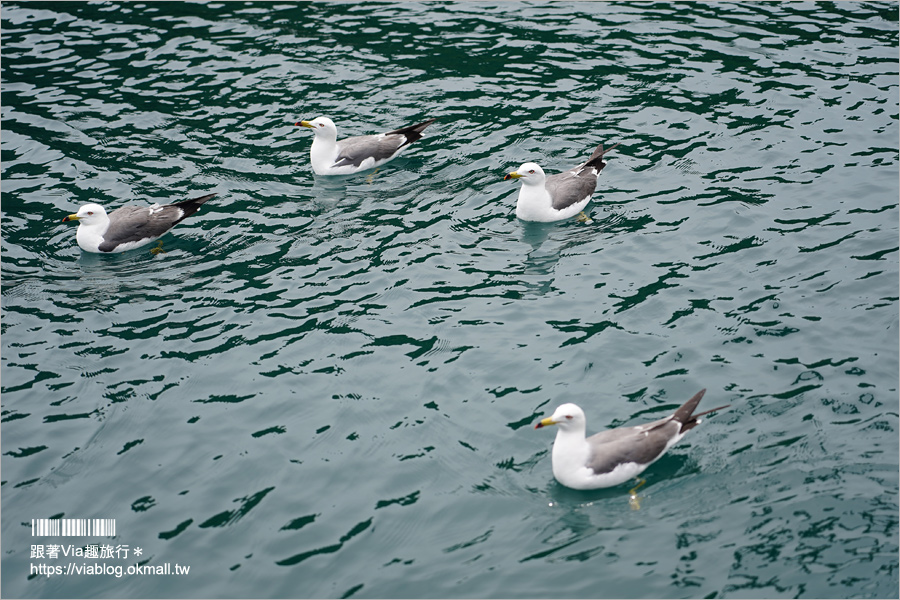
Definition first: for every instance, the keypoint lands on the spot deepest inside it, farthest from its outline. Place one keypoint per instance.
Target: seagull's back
(571, 187)
(354, 151)
(641, 445)
(134, 226)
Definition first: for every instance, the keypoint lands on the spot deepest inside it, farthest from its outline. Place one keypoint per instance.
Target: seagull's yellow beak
(513, 175)
(71, 218)
(549, 420)
(303, 124)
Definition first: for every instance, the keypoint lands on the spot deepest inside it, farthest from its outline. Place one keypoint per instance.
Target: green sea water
(327, 387)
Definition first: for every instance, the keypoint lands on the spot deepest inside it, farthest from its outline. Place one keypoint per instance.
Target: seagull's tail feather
(695, 419)
(191, 206)
(706, 412)
(596, 159)
(686, 415)
(411, 132)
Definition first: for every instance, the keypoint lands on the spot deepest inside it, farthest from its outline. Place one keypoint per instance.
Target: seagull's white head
(89, 214)
(530, 173)
(322, 126)
(568, 417)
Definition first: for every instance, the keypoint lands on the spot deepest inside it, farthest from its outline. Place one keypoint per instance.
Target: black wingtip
(712, 410)
(193, 205)
(195, 201)
(686, 411)
(596, 159)
(199, 200)
(412, 132)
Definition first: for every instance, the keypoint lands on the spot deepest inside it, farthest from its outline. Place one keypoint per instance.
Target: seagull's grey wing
(136, 223)
(354, 150)
(570, 187)
(641, 445)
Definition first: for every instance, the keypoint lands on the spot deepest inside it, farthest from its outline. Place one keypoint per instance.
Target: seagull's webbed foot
(633, 499)
(583, 218)
(157, 250)
(371, 176)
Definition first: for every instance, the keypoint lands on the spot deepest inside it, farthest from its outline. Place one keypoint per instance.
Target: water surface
(326, 387)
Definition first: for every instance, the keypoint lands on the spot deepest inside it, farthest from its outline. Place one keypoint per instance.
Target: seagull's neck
(322, 153)
(90, 235)
(98, 223)
(570, 452)
(534, 200)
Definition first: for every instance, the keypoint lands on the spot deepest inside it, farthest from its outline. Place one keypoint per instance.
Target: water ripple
(327, 386)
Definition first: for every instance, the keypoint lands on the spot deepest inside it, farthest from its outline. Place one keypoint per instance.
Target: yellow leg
(157, 250)
(633, 499)
(371, 176)
(583, 218)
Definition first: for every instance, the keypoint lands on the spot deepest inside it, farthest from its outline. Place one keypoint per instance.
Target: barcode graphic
(73, 527)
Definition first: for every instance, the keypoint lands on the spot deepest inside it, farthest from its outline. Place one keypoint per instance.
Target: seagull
(560, 196)
(351, 155)
(614, 456)
(130, 226)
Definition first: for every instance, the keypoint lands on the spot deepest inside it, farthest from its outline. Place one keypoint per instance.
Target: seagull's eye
(321, 124)
(532, 171)
(567, 416)
(90, 212)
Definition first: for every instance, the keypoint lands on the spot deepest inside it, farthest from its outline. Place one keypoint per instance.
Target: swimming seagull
(351, 155)
(130, 226)
(560, 196)
(616, 455)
